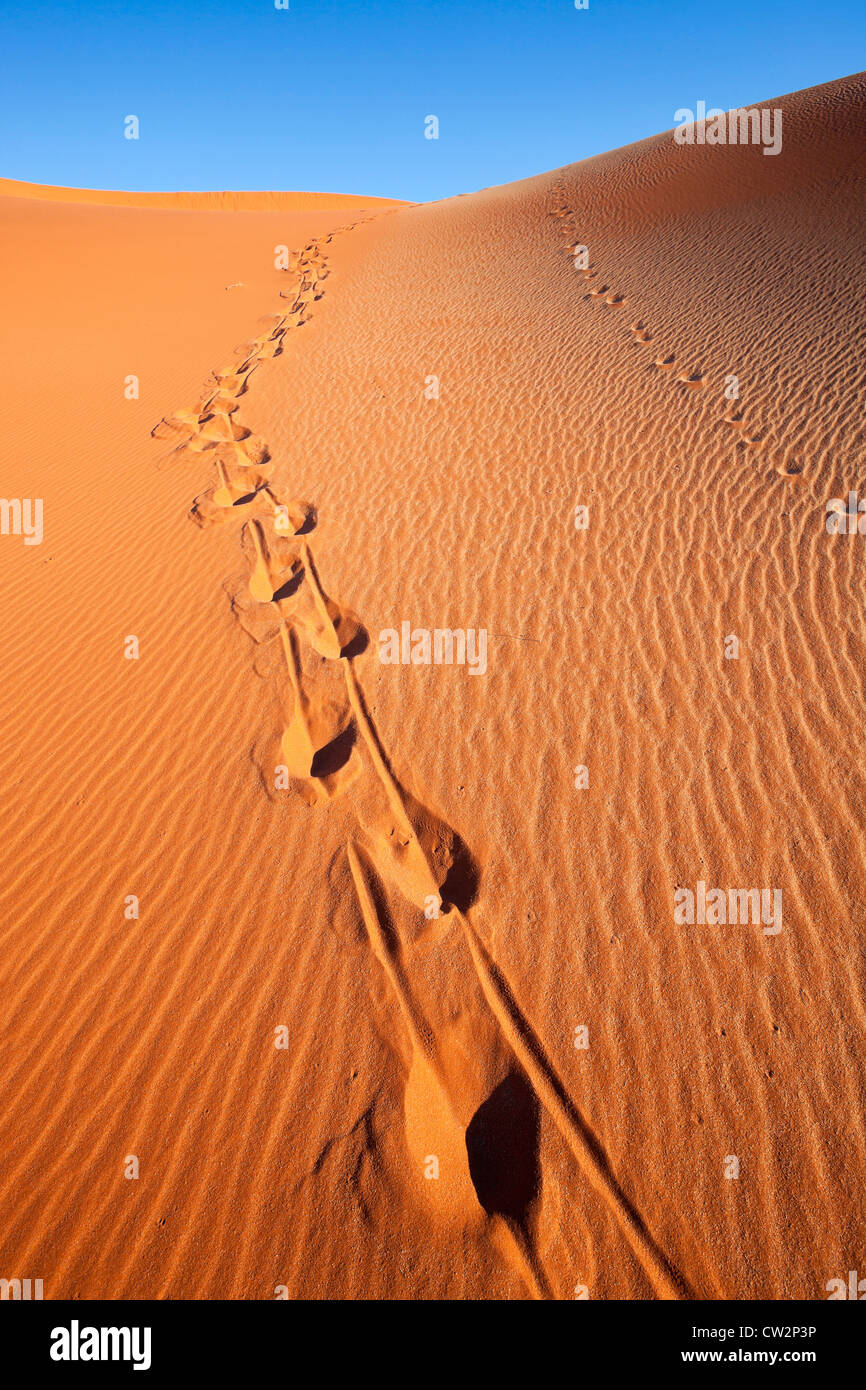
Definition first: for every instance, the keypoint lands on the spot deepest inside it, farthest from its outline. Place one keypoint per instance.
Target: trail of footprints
(482, 1116)
(666, 1280)
(750, 436)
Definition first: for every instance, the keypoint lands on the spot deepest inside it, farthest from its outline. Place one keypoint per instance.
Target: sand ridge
(227, 201)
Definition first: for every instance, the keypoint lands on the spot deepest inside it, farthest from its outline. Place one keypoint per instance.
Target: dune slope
(383, 906)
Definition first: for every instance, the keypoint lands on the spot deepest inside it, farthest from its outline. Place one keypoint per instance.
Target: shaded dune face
(429, 903)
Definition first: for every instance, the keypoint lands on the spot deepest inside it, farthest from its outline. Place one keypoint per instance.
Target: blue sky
(332, 95)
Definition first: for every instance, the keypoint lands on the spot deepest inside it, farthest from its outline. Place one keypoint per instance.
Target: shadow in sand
(502, 1147)
(334, 755)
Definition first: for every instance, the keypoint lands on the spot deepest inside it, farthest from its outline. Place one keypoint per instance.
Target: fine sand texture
(331, 976)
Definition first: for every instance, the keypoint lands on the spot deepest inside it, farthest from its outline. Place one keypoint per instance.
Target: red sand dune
(315, 491)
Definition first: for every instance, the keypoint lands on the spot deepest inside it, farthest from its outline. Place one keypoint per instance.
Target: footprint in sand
(314, 726)
(194, 418)
(251, 452)
(482, 1121)
(329, 629)
(292, 518)
(180, 423)
(259, 620)
(233, 379)
(261, 581)
(296, 315)
(256, 350)
(665, 364)
(221, 429)
(230, 493)
(616, 301)
(600, 292)
(189, 419)
(276, 564)
(641, 332)
(271, 333)
(298, 312)
(315, 747)
(198, 443)
(693, 381)
(296, 318)
(411, 847)
(750, 437)
(223, 405)
(272, 348)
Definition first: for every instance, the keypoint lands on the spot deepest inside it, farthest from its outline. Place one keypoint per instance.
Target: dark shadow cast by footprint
(359, 643)
(291, 586)
(460, 886)
(334, 755)
(502, 1148)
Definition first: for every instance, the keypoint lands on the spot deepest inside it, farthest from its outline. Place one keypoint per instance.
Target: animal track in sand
(691, 381)
(329, 629)
(229, 493)
(261, 579)
(418, 855)
(326, 746)
(249, 453)
(314, 728)
(753, 440)
(415, 852)
(221, 429)
(481, 1122)
(223, 405)
(272, 348)
(234, 382)
(316, 743)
